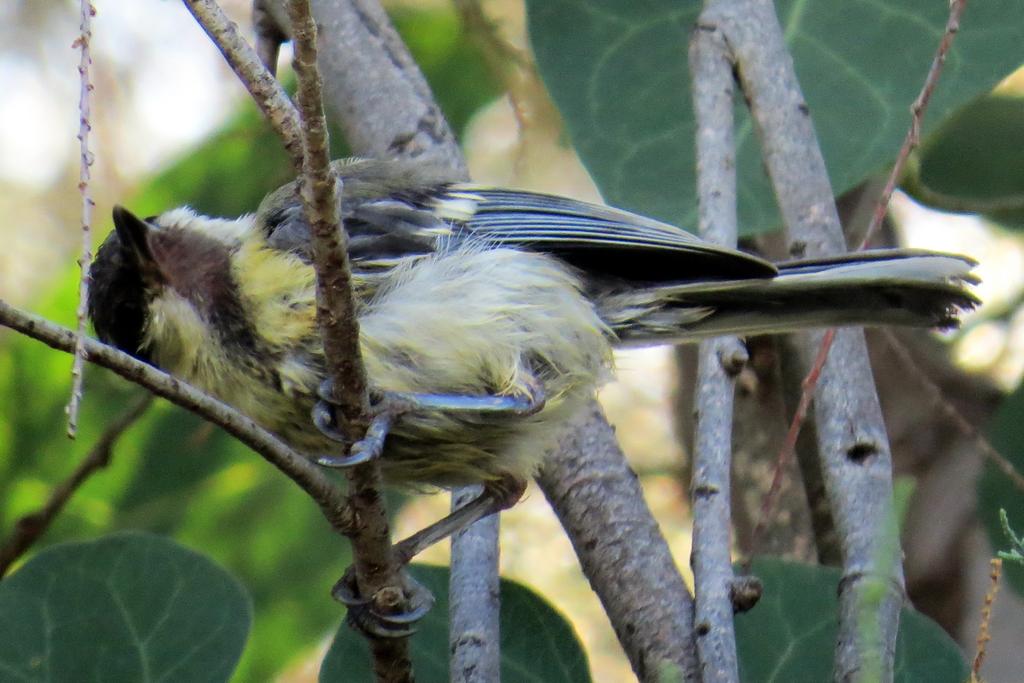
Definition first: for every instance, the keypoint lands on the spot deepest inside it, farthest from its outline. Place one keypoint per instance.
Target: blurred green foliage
(974, 161)
(996, 491)
(172, 473)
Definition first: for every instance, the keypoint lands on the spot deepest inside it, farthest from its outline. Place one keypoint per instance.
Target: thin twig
(321, 199)
(30, 528)
(984, 635)
(299, 469)
(917, 110)
(84, 162)
(473, 631)
(719, 361)
(383, 103)
(788, 447)
(949, 411)
(375, 563)
(268, 94)
(514, 68)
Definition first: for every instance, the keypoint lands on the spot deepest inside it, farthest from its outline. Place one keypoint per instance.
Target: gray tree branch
(719, 361)
(856, 460)
(598, 499)
(373, 86)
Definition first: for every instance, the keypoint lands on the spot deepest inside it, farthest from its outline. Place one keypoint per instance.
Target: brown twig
(984, 635)
(377, 570)
(300, 470)
(917, 110)
(30, 528)
(85, 161)
(321, 192)
(512, 66)
(266, 92)
(788, 447)
(949, 411)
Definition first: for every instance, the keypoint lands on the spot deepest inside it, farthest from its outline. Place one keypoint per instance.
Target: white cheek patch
(176, 332)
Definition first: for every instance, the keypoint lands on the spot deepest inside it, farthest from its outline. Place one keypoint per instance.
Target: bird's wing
(598, 239)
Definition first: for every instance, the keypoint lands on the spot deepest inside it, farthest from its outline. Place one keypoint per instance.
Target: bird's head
(169, 281)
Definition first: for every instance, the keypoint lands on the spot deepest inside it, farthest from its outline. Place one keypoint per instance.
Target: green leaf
(537, 643)
(790, 634)
(996, 490)
(974, 161)
(617, 71)
(127, 607)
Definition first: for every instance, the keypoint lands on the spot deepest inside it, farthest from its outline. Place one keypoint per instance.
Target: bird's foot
(390, 612)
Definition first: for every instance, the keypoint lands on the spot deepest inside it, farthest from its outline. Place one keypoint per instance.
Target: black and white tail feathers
(883, 287)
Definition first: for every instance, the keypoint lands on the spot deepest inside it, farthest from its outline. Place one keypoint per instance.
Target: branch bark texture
(719, 361)
(377, 91)
(598, 499)
(376, 567)
(474, 634)
(852, 443)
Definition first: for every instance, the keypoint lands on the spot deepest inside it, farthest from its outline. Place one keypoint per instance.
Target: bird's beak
(134, 235)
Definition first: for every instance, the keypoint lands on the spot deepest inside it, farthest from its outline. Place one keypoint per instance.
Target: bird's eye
(151, 219)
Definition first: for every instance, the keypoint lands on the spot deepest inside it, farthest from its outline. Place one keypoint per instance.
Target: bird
(496, 311)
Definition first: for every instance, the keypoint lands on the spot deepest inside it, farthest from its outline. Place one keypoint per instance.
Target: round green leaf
(127, 607)
(975, 161)
(537, 643)
(617, 71)
(790, 634)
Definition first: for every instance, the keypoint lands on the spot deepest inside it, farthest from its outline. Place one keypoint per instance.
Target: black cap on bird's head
(124, 278)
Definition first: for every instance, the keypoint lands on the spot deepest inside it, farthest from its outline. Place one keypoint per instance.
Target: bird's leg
(371, 614)
(375, 615)
(391, 405)
(497, 495)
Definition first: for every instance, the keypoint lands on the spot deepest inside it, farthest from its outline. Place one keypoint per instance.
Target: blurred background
(171, 125)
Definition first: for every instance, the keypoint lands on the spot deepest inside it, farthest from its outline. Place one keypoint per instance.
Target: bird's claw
(389, 405)
(366, 449)
(365, 616)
